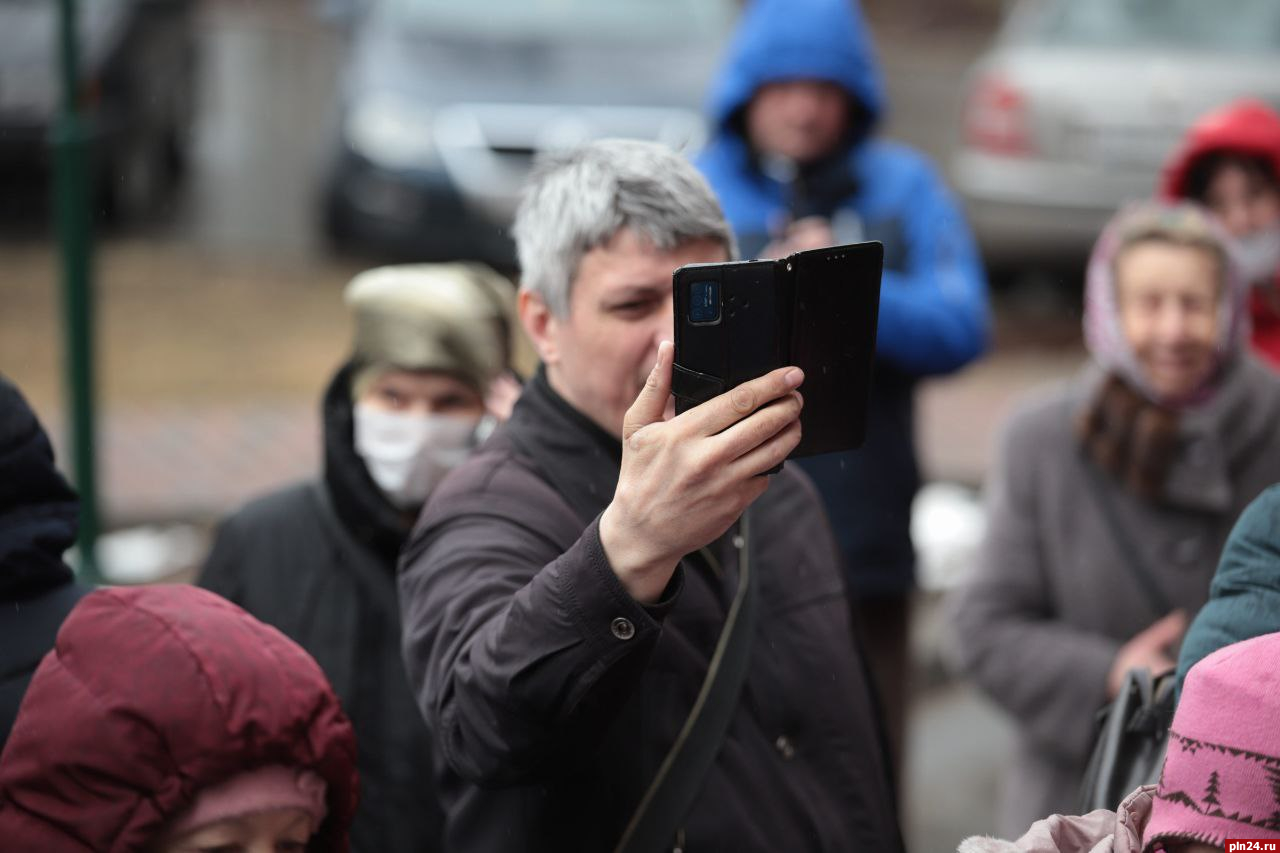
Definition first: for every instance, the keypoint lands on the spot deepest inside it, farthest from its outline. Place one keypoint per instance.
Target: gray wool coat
(1038, 625)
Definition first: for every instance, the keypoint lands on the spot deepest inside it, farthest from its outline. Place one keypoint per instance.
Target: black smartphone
(816, 310)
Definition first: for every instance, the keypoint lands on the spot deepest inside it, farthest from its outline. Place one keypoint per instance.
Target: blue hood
(798, 39)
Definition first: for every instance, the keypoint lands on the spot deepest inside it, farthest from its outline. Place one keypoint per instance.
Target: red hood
(1246, 126)
(150, 695)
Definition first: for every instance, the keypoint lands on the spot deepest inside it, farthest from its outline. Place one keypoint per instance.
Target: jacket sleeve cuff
(608, 618)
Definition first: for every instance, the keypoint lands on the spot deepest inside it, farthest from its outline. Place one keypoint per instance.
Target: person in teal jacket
(796, 165)
(1244, 598)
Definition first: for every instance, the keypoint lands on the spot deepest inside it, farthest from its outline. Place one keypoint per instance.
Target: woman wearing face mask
(1112, 496)
(1230, 163)
(318, 560)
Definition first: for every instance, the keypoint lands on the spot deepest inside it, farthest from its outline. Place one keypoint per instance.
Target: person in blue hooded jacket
(795, 163)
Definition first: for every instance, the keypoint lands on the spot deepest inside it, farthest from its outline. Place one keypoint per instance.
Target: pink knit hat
(253, 792)
(1221, 776)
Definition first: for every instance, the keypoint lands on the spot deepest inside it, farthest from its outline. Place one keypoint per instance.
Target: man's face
(599, 355)
(803, 120)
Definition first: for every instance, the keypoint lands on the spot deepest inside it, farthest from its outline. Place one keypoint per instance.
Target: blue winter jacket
(933, 302)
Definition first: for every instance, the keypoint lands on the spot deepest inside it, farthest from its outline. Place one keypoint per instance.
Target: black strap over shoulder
(1132, 555)
(665, 805)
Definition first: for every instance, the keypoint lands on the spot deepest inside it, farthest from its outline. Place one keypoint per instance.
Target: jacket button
(785, 748)
(622, 628)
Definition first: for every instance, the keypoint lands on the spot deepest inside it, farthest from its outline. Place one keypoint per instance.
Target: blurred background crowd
(249, 159)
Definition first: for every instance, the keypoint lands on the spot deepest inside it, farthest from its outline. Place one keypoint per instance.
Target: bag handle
(1133, 560)
(679, 779)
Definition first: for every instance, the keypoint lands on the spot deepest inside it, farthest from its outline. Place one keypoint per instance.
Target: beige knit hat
(458, 318)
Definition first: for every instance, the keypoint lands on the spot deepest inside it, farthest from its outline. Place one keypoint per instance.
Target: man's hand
(685, 481)
(812, 232)
(1147, 649)
(502, 396)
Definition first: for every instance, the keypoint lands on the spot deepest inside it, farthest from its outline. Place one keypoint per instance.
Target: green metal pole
(71, 144)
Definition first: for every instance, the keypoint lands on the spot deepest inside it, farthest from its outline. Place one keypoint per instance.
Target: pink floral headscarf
(1103, 332)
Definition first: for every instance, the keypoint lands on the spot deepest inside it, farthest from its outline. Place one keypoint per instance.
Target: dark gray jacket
(549, 720)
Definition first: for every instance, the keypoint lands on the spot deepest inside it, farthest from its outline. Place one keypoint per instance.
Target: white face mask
(408, 454)
(1258, 254)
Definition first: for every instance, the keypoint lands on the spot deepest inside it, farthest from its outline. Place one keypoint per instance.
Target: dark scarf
(1131, 438)
(579, 459)
(367, 514)
(38, 509)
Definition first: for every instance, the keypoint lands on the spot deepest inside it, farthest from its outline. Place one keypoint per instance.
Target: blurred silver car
(1076, 106)
(445, 105)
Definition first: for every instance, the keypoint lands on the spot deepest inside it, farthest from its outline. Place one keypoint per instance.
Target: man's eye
(632, 307)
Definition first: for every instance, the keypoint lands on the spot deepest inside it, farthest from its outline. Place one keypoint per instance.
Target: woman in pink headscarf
(1112, 495)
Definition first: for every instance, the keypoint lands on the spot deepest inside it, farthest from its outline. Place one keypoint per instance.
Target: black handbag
(1133, 735)
(1133, 730)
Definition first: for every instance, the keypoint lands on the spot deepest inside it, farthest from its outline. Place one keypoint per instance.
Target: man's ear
(540, 325)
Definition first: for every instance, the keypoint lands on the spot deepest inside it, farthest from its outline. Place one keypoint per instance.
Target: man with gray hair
(564, 591)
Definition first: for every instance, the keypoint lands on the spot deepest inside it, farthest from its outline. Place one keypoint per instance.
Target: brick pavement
(192, 462)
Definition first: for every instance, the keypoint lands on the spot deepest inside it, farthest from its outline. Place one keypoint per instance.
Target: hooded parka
(933, 301)
(151, 695)
(1250, 128)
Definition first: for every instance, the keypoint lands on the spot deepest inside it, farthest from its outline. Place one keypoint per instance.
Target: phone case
(816, 309)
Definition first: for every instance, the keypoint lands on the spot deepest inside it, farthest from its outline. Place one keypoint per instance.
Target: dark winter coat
(317, 560)
(553, 695)
(933, 300)
(151, 695)
(1052, 599)
(38, 513)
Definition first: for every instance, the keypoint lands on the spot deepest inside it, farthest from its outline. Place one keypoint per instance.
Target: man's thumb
(652, 402)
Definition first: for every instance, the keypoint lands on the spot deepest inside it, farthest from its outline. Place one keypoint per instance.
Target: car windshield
(630, 20)
(1220, 25)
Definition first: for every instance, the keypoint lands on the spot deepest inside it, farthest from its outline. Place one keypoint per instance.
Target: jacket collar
(579, 459)
(359, 504)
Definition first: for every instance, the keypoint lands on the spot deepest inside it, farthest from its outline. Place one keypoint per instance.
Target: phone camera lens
(704, 302)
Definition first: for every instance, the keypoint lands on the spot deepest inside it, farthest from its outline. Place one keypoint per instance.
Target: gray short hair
(577, 200)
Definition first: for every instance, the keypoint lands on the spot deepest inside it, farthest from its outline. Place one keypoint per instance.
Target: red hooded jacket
(150, 695)
(1245, 127)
